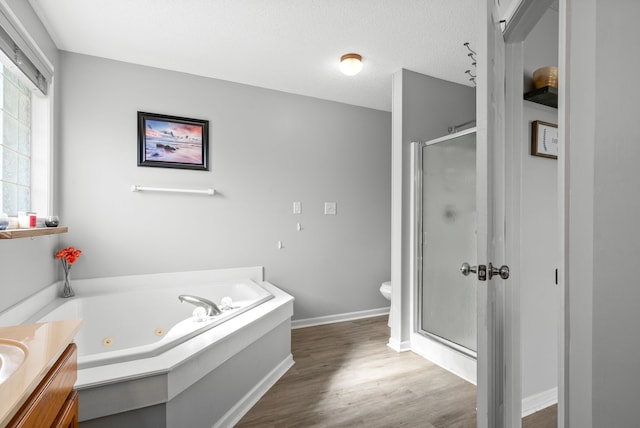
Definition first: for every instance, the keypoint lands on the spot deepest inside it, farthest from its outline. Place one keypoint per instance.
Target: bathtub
(145, 360)
(131, 325)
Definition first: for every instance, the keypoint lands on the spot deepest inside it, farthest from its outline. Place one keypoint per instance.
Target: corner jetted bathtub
(144, 359)
(132, 325)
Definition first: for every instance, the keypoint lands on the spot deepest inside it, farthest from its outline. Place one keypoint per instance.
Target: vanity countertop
(27, 352)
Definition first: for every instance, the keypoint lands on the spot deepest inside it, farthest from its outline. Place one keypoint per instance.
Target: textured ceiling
(287, 45)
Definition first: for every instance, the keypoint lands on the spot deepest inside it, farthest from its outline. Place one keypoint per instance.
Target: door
(490, 204)
(446, 211)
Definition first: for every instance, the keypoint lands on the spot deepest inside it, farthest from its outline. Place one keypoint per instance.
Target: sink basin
(12, 355)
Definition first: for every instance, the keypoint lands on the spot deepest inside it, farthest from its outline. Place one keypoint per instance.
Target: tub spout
(211, 308)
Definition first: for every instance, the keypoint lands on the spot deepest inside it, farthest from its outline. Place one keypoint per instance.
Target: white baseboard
(241, 408)
(398, 346)
(449, 359)
(537, 402)
(330, 319)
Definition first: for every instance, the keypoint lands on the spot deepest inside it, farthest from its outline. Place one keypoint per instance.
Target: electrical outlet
(330, 208)
(297, 207)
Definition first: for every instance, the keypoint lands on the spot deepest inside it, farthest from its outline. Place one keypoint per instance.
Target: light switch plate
(330, 208)
(297, 207)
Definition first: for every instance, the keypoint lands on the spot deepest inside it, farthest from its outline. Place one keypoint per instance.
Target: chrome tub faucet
(211, 308)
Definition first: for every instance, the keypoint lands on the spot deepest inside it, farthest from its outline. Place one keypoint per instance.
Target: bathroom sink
(12, 355)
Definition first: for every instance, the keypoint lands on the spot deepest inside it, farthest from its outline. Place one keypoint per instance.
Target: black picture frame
(173, 142)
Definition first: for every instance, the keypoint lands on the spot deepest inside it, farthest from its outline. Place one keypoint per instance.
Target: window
(15, 143)
(26, 112)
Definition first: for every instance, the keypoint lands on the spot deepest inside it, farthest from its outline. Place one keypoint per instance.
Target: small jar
(33, 219)
(23, 220)
(52, 221)
(4, 221)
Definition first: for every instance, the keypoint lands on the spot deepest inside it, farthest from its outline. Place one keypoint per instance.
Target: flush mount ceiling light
(351, 64)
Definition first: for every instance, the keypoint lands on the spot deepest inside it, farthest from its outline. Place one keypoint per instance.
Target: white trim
(397, 269)
(536, 402)
(42, 149)
(563, 213)
(449, 359)
(521, 16)
(514, 154)
(241, 408)
(399, 346)
(330, 319)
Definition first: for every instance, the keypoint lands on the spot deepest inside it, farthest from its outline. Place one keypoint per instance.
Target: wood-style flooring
(545, 418)
(346, 376)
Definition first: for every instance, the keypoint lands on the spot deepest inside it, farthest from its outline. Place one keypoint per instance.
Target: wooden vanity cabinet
(54, 403)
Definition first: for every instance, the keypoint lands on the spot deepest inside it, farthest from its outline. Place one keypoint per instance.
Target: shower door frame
(464, 362)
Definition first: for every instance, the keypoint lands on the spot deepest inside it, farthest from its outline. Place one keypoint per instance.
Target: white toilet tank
(385, 290)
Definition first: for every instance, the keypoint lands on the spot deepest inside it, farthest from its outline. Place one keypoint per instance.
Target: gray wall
(539, 228)
(423, 109)
(27, 265)
(603, 234)
(267, 150)
(616, 244)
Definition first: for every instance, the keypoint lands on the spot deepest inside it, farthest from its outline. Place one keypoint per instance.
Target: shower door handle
(481, 270)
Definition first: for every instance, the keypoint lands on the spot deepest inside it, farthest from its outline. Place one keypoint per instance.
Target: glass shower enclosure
(445, 216)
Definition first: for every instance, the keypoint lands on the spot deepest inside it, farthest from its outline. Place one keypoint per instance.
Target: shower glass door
(447, 217)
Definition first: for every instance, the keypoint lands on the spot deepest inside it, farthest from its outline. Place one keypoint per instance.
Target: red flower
(69, 255)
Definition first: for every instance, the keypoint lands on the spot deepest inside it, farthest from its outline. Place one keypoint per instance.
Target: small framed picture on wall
(544, 139)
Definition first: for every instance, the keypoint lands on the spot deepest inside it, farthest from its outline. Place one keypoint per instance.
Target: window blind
(20, 52)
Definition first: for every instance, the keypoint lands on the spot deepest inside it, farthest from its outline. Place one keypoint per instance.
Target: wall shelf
(32, 232)
(547, 96)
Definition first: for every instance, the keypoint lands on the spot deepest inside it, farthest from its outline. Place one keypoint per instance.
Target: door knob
(481, 270)
(502, 271)
(466, 269)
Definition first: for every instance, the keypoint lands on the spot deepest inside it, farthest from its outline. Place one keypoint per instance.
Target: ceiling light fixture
(351, 64)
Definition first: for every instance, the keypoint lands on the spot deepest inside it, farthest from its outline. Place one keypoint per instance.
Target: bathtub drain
(159, 331)
(108, 341)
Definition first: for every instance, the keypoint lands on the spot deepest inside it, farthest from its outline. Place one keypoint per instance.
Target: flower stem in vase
(67, 291)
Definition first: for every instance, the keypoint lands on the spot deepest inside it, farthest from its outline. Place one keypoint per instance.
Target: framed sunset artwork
(172, 142)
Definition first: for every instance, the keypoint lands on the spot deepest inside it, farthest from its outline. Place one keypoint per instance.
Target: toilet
(385, 290)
